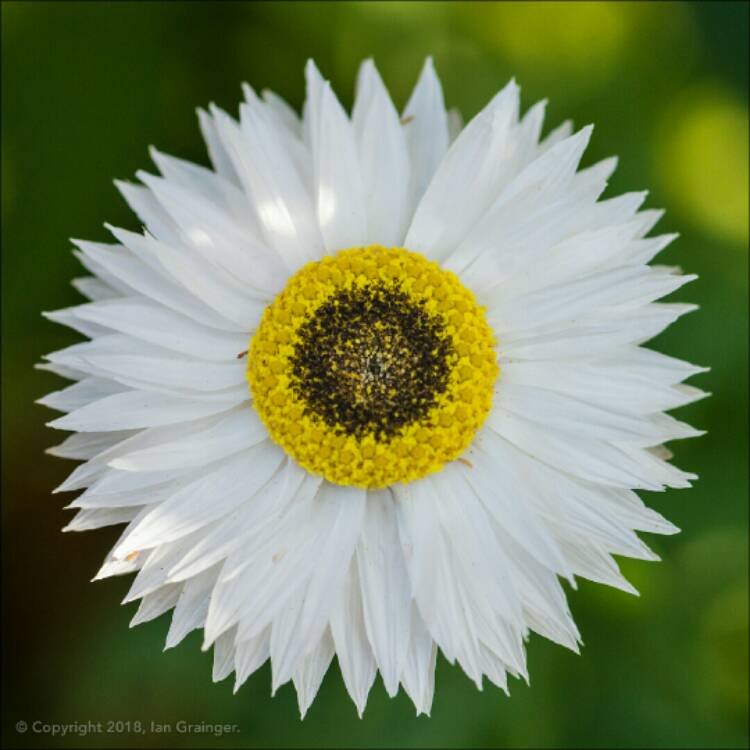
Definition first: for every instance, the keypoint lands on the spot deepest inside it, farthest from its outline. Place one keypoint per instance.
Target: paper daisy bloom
(372, 386)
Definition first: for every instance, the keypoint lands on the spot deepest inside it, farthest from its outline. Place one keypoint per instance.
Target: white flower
(379, 452)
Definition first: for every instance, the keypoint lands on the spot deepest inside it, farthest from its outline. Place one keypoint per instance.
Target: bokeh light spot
(702, 161)
(585, 38)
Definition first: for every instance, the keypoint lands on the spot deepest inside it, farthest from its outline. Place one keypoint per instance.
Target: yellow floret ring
(373, 366)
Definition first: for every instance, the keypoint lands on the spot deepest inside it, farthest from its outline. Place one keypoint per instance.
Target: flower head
(371, 385)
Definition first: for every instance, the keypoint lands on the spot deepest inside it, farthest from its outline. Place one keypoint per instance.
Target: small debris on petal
(406, 120)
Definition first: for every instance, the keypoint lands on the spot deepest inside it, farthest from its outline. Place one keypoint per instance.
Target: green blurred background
(86, 87)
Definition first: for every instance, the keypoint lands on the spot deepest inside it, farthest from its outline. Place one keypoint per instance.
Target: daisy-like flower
(371, 386)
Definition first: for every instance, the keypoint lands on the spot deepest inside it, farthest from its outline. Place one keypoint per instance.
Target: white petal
(251, 655)
(94, 289)
(385, 587)
(529, 130)
(483, 599)
(283, 113)
(338, 184)
(538, 208)
(211, 233)
(467, 180)
(501, 501)
(281, 200)
(609, 383)
(244, 524)
(575, 415)
(575, 256)
(560, 133)
(95, 518)
(593, 563)
(234, 431)
(136, 409)
(325, 582)
(143, 440)
(81, 394)
(590, 459)
(64, 371)
(86, 445)
(418, 676)
(151, 213)
(219, 157)
(146, 496)
(594, 336)
(67, 317)
(272, 562)
(426, 128)
(171, 371)
(356, 660)
(455, 124)
(192, 606)
(310, 674)
(433, 571)
(383, 158)
(153, 574)
(159, 325)
(113, 567)
(123, 267)
(156, 604)
(224, 655)
(214, 287)
(235, 480)
(625, 286)
(194, 178)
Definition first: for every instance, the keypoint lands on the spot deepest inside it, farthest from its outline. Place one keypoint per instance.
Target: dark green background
(86, 87)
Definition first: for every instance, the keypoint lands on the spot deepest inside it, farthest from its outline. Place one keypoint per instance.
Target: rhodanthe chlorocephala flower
(372, 386)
